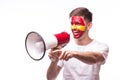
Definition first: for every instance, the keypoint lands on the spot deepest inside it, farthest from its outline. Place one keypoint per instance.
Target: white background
(18, 17)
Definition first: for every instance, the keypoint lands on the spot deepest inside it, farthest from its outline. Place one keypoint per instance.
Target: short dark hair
(82, 11)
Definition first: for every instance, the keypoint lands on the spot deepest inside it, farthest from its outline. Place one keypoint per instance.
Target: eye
(72, 23)
(77, 23)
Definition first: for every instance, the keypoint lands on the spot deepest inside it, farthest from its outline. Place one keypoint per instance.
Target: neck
(83, 41)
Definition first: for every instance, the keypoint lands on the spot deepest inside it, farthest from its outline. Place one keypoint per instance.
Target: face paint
(77, 26)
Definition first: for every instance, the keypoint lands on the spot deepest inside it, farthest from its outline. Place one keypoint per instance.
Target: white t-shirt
(75, 69)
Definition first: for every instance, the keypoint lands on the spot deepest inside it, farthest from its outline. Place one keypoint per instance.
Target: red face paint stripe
(77, 19)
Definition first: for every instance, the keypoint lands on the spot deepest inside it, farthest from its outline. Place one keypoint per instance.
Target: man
(81, 57)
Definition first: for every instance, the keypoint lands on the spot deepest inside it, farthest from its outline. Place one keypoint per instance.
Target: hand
(66, 55)
(54, 54)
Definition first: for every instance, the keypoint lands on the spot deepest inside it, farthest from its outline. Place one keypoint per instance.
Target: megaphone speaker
(36, 45)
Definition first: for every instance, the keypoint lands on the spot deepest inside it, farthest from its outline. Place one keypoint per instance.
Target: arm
(86, 57)
(53, 69)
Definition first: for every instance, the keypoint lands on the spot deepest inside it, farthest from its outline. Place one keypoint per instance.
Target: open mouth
(77, 33)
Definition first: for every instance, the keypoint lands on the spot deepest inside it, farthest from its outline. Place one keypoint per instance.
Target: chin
(79, 38)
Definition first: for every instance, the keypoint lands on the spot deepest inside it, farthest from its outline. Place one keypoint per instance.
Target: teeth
(75, 31)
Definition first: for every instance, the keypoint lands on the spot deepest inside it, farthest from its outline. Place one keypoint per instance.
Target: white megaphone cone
(36, 45)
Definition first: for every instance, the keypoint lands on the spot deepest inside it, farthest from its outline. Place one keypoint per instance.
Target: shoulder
(100, 44)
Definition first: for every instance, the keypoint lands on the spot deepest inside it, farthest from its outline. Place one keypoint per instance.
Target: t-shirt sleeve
(104, 50)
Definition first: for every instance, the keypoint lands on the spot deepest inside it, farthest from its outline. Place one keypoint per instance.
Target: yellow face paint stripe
(82, 28)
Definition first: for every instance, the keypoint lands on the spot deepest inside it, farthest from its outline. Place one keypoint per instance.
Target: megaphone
(36, 45)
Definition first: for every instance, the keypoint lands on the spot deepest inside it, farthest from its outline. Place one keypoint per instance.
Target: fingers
(60, 55)
(66, 55)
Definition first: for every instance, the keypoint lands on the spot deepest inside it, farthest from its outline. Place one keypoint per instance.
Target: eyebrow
(76, 23)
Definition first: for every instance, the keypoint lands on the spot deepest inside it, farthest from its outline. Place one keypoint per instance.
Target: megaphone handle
(57, 47)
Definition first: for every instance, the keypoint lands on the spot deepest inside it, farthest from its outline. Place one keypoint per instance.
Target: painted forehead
(77, 19)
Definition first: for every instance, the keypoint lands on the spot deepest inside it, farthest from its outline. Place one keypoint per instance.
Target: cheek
(81, 28)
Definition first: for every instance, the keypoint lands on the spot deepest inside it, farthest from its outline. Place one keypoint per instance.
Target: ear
(89, 25)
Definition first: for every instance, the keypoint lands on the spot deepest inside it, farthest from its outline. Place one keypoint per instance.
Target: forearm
(52, 71)
(89, 57)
